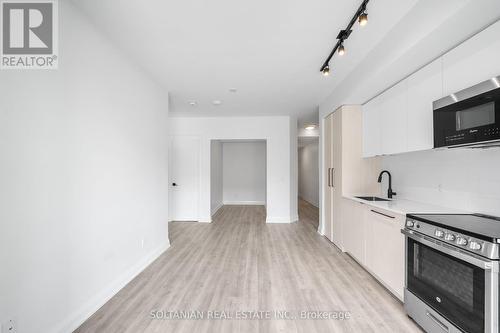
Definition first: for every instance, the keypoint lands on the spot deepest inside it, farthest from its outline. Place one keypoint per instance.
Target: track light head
(341, 50)
(363, 19)
(326, 70)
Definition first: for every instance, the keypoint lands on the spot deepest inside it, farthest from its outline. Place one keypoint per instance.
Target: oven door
(459, 286)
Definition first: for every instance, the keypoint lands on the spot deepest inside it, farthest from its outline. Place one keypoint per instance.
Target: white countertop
(403, 207)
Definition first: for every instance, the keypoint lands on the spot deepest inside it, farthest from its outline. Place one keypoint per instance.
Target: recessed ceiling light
(310, 127)
(193, 103)
(233, 90)
(217, 102)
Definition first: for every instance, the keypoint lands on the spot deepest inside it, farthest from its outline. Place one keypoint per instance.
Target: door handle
(174, 184)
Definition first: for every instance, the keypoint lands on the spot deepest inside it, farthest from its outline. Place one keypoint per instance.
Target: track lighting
(326, 70)
(363, 19)
(341, 50)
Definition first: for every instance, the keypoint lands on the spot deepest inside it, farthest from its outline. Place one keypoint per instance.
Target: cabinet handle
(329, 177)
(389, 216)
(333, 177)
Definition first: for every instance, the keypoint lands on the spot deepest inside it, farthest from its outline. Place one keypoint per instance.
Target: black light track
(345, 33)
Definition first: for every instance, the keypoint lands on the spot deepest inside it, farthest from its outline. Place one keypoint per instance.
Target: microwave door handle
(486, 265)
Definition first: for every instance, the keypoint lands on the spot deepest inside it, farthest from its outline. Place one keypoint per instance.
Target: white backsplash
(467, 179)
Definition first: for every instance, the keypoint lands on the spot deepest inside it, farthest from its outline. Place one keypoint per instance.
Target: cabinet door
(424, 87)
(473, 61)
(385, 248)
(394, 122)
(372, 114)
(337, 177)
(353, 229)
(328, 166)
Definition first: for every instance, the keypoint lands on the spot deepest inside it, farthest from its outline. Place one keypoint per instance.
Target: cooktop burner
(482, 226)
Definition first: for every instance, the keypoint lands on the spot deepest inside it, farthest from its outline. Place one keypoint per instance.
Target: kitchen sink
(372, 199)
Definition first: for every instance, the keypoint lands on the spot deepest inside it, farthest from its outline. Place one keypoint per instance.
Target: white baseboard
(249, 203)
(205, 219)
(184, 219)
(219, 206)
(271, 219)
(96, 302)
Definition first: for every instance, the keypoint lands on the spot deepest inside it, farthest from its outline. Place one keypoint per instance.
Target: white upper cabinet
(401, 119)
(472, 62)
(424, 87)
(384, 122)
(371, 129)
(393, 118)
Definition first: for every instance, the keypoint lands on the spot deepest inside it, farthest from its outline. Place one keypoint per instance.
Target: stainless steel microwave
(470, 117)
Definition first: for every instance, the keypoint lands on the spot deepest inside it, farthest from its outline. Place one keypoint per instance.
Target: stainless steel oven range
(452, 278)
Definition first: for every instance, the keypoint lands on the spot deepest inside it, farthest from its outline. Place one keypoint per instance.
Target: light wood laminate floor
(240, 263)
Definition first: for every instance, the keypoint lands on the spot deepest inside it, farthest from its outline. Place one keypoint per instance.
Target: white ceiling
(270, 51)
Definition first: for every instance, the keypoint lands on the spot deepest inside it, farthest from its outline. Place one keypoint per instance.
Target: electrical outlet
(9, 326)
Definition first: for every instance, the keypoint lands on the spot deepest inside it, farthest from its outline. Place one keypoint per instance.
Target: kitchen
(415, 201)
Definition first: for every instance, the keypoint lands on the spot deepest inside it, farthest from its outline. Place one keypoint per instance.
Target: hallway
(240, 263)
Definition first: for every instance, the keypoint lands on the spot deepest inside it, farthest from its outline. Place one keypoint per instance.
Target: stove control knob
(449, 237)
(439, 233)
(410, 223)
(475, 246)
(461, 241)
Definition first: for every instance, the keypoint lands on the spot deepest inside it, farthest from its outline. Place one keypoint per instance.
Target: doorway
(308, 179)
(238, 174)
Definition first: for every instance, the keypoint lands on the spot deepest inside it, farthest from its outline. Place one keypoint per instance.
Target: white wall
(309, 173)
(244, 173)
(83, 174)
(216, 176)
(466, 179)
(275, 130)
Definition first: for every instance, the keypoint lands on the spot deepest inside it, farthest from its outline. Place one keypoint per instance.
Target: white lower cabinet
(373, 237)
(385, 248)
(354, 229)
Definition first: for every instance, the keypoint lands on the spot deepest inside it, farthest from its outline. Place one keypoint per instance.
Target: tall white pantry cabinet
(345, 171)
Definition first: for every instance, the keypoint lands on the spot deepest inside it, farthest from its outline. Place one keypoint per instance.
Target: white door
(184, 178)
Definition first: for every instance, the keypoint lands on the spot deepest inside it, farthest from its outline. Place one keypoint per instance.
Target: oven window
(450, 286)
(476, 116)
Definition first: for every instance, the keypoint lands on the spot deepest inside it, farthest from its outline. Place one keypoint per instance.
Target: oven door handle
(450, 250)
